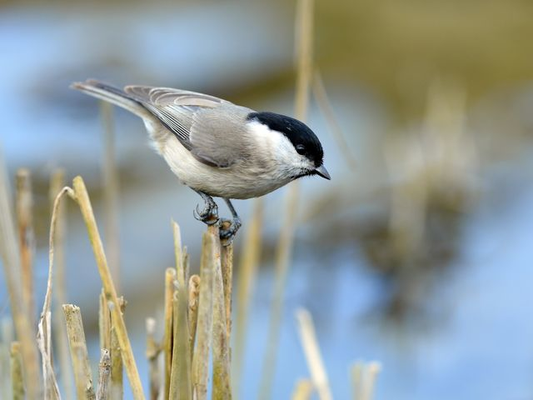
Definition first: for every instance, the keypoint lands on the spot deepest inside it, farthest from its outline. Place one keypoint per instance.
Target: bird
(217, 148)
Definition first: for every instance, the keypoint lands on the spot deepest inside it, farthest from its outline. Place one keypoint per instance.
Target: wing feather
(209, 127)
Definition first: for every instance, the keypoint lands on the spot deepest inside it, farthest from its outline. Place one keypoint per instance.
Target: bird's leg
(209, 214)
(227, 233)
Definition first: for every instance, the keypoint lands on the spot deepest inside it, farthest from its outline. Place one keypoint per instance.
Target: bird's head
(296, 146)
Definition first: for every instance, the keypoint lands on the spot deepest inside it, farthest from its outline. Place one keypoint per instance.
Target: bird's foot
(209, 214)
(228, 230)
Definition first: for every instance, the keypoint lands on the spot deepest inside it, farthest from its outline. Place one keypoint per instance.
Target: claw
(228, 230)
(208, 215)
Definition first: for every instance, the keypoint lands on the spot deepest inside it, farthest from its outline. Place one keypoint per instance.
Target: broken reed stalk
(17, 378)
(322, 98)
(117, 366)
(200, 363)
(23, 321)
(251, 250)
(221, 338)
(309, 342)
(226, 261)
(24, 212)
(57, 182)
(152, 354)
(111, 193)
(104, 322)
(78, 352)
(170, 276)
(108, 340)
(304, 35)
(194, 293)
(363, 377)
(303, 390)
(104, 376)
(180, 376)
(82, 198)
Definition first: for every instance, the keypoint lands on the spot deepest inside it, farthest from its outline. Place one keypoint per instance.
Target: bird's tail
(113, 95)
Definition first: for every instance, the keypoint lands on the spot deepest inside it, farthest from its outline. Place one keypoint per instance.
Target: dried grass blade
(57, 182)
(83, 201)
(303, 390)
(312, 354)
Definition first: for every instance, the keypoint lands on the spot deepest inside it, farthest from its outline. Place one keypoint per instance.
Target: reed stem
(17, 376)
(168, 338)
(128, 359)
(24, 211)
(312, 354)
(200, 363)
(104, 376)
(78, 352)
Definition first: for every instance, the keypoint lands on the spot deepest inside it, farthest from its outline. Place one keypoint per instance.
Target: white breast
(246, 179)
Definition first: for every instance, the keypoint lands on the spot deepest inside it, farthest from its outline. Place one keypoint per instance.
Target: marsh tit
(217, 148)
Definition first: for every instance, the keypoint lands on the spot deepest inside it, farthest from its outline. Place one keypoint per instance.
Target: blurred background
(417, 253)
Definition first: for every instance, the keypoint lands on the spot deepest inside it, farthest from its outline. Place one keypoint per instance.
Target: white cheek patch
(280, 147)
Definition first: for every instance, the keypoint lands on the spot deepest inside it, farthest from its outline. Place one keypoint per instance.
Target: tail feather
(113, 95)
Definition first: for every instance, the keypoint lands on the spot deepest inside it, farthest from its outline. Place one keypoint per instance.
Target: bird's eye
(300, 148)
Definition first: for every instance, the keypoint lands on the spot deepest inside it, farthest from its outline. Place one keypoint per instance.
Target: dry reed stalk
(111, 193)
(22, 319)
(57, 182)
(194, 293)
(312, 354)
(17, 376)
(6, 340)
(170, 276)
(44, 337)
(180, 377)
(117, 370)
(180, 374)
(178, 253)
(104, 376)
(128, 359)
(320, 94)
(247, 275)
(356, 378)
(152, 354)
(221, 344)
(104, 322)
(200, 363)
(226, 262)
(303, 390)
(24, 211)
(78, 352)
(304, 36)
(186, 264)
(363, 377)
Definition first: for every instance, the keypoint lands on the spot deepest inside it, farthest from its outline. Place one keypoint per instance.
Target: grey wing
(209, 127)
(219, 135)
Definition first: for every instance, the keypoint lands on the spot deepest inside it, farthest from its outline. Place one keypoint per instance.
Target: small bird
(217, 148)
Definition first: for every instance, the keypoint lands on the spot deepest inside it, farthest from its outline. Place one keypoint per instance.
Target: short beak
(323, 172)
